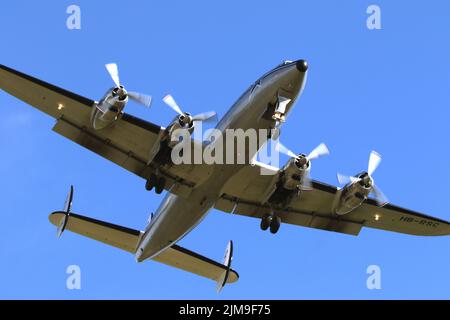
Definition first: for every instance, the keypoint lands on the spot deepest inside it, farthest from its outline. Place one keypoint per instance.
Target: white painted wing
(128, 143)
(246, 194)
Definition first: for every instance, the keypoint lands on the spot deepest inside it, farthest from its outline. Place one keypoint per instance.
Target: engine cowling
(353, 194)
(183, 122)
(295, 172)
(109, 108)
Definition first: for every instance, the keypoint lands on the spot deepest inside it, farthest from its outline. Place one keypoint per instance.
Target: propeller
(140, 98)
(302, 160)
(186, 118)
(281, 148)
(367, 179)
(319, 151)
(343, 179)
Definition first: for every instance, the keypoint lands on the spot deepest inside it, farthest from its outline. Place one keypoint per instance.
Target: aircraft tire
(275, 224)
(265, 222)
(160, 185)
(150, 184)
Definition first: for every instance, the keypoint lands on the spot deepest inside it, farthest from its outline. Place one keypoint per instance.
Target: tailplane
(128, 239)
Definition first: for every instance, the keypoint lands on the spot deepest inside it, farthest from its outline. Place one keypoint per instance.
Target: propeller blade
(343, 179)
(374, 161)
(140, 98)
(205, 116)
(381, 199)
(320, 150)
(281, 148)
(113, 71)
(170, 101)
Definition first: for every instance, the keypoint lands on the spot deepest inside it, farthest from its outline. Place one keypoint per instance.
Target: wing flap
(292, 216)
(108, 145)
(103, 147)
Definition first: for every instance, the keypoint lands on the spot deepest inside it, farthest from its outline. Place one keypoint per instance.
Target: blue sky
(386, 90)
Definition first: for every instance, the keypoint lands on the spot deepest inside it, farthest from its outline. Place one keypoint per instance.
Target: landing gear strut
(271, 221)
(155, 182)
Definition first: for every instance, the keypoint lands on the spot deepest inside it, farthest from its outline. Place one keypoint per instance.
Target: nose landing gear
(271, 222)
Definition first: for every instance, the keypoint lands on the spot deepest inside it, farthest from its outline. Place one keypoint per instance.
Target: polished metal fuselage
(178, 215)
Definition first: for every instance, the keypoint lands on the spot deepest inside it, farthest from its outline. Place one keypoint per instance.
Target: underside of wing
(248, 191)
(46, 97)
(128, 142)
(290, 215)
(394, 218)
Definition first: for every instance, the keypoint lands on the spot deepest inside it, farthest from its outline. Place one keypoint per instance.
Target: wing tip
(233, 277)
(52, 217)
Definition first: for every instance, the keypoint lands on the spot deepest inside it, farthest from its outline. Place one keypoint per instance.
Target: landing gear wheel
(275, 224)
(265, 222)
(160, 185)
(151, 182)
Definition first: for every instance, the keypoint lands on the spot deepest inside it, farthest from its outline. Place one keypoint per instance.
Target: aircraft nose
(301, 65)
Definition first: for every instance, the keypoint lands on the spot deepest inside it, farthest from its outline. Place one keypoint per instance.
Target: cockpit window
(280, 66)
(285, 62)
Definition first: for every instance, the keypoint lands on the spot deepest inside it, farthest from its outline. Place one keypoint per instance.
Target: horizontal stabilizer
(112, 234)
(190, 261)
(128, 239)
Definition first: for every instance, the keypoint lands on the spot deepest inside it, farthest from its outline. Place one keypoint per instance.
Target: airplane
(288, 195)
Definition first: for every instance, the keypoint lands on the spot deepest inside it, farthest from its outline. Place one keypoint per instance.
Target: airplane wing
(245, 194)
(128, 239)
(128, 143)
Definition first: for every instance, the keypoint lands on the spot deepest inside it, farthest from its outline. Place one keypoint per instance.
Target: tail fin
(67, 207)
(227, 259)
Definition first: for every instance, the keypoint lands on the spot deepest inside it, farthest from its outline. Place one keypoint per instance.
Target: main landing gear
(155, 182)
(271, 221)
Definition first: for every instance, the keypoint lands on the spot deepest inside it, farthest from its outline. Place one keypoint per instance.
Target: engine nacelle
(295, 171)
(109, 108)
(181, 122)
(352, 196)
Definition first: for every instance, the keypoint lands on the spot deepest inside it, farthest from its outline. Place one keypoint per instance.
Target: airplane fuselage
(177, 216)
